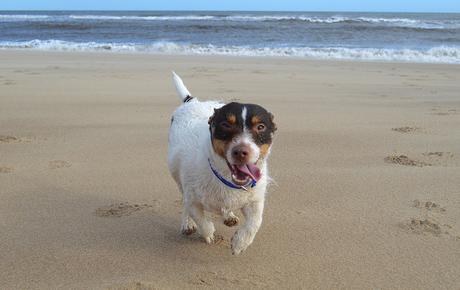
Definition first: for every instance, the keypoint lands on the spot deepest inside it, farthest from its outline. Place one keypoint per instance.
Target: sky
(249, 5)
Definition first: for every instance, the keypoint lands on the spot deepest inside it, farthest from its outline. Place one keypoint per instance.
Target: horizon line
(229, 10)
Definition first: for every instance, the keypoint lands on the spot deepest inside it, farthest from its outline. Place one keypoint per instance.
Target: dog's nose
(241, 153)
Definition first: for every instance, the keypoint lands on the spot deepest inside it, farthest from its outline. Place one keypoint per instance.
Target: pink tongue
(251, 170)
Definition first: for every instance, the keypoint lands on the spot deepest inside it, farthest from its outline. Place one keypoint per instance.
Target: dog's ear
(272, 118)
(212, 117)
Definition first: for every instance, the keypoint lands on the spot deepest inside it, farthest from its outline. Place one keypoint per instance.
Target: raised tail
(182, 90)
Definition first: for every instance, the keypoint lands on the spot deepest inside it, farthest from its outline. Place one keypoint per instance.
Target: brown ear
(272, 118)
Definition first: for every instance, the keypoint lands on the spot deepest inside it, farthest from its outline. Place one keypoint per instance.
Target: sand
(366, 162)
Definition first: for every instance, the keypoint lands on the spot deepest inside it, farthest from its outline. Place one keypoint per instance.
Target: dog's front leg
(205, 226)
(245, 235)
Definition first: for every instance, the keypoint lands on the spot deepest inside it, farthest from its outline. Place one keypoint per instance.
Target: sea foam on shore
(441, 54)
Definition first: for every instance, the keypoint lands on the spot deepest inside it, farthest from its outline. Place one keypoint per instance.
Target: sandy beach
(366, 163)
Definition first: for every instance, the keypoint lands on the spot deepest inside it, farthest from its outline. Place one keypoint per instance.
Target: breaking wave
(389, 21)
(22, 17)
(439, 54)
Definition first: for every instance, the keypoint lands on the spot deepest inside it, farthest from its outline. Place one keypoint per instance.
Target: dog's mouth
(243, 174)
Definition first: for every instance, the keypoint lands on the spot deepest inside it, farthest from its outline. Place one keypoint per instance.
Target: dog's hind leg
(205, 226)
(188, 226)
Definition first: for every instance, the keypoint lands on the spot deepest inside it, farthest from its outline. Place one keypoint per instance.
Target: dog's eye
(261, 127)
(225, 125)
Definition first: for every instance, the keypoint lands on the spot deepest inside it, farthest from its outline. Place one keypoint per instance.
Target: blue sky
(282, 5)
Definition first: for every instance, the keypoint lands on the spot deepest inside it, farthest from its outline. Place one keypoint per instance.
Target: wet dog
(218, 157)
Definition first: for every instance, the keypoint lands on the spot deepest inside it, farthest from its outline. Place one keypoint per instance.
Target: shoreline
(210, 56)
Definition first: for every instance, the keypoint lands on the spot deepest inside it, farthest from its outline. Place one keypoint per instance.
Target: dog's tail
(182, 90)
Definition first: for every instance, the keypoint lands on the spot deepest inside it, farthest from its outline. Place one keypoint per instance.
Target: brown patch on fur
(231, 119)
(255, 120)
(220, 147)
(264, 148)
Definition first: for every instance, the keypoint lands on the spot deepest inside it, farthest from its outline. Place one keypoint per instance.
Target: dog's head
(242, 134)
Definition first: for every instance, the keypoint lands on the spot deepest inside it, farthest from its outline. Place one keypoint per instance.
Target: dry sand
(366, 162)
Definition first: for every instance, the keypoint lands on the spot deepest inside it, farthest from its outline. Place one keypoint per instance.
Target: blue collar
(252, 183)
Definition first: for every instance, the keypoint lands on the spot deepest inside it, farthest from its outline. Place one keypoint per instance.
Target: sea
(401, 37)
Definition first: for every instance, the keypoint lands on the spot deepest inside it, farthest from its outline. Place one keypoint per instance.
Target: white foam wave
(162, 18)
(255, 18)
(22, 17)
(440, 54)
(391, 21)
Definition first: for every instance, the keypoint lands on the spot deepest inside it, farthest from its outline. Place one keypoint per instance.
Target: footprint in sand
(443, 111)
(438, 158)
(226, 280)
(220, 240)
(15, 139)
(428, 206)
(406, 129)
(425, 226)
(430, 223)
(6, 169)
(8, 82)
(405, 160)
(56, 164)
(121, 209)
(9, 139)
(438, 154)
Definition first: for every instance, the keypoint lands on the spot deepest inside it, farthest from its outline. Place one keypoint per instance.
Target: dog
(217, 155)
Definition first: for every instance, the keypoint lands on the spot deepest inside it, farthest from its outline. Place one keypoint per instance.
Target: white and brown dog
(218, 157)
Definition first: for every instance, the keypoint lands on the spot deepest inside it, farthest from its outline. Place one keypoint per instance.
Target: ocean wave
(440, 54)
(387, 21)
(161, 18)
(405, 22)
(400, 22)
(22, 17)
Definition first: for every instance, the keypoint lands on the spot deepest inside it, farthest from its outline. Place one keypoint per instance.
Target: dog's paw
(240, 241)
(188, 231)
(231, 221)
(188, 228)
